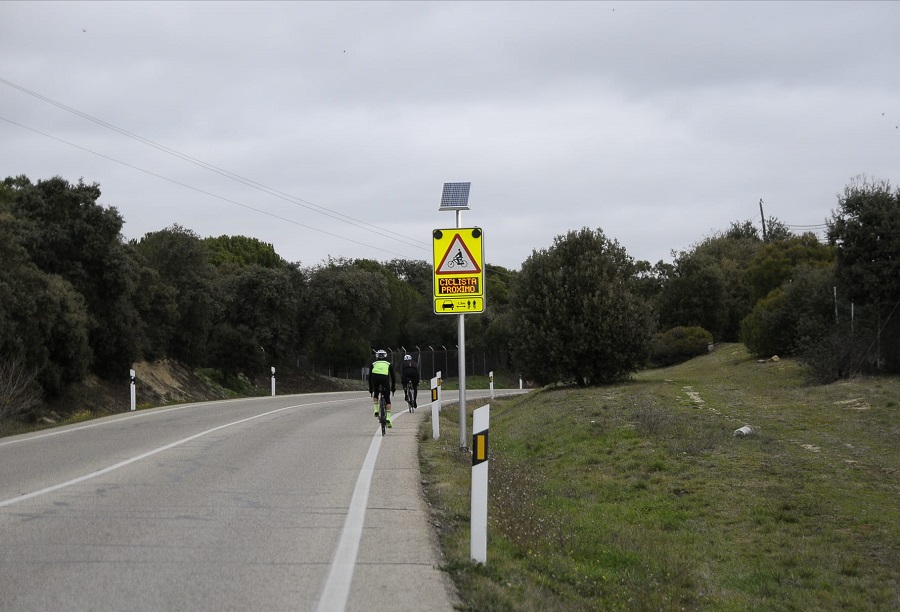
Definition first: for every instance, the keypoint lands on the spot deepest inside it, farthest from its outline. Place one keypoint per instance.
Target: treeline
(76, 298)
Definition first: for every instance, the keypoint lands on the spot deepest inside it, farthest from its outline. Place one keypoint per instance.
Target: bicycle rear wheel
(382, 414)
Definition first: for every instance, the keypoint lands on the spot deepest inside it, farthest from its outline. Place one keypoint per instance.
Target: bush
(680, 344)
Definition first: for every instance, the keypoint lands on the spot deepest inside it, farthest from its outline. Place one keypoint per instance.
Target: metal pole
(462, 365)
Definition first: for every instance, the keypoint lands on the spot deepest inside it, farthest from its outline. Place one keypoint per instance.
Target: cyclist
(410, 374)
(380, 375)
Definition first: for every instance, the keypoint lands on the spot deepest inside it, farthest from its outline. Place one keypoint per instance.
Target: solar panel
(455, 196)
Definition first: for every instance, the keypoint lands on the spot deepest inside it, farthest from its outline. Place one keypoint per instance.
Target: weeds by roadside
(640, 496)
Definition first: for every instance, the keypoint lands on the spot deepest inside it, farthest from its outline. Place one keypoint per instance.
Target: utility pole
(763, 217)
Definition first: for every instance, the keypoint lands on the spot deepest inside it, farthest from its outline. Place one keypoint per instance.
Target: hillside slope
(641, 496)
(168, 382)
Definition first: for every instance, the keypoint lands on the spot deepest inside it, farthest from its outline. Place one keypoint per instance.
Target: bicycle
(409, 394)
(382, 413)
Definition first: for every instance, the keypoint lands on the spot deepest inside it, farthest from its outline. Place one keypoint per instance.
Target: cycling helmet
(381, 354)
(407, 358)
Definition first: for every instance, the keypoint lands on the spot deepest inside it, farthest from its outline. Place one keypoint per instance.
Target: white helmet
(407, 358)
(381, 354)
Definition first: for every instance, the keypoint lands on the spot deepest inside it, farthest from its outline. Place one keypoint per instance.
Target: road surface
(284, 503)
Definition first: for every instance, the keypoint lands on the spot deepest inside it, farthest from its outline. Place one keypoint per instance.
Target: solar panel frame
(455, 196)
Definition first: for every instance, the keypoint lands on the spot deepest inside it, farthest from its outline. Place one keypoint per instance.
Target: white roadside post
(480, 423)
(491, 377)
(436, 407)
(273, 381)
(133, 394)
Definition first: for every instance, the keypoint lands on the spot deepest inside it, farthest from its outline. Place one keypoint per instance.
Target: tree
(393, 325)
(865, 232)
(695, 296)
(707, 287)
(794, 316)
(43, 319)
(233, 350)
(182, 261)
(776, 261)
(67, 233)
(242, 251)
(578, 314)
(347, 302)
(268, 303)
(492, 330)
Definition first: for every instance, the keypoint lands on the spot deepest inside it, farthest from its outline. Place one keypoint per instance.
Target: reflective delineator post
(436, 407)
(133, 394)
(491, 378)
(479, 497)
(273, 381)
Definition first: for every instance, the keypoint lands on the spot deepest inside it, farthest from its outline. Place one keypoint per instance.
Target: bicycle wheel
(409, 397)
(382, 414)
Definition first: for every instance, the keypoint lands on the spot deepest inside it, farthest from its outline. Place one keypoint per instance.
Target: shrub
(680, 344)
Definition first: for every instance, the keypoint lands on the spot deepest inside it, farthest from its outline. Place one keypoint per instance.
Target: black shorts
(381, 383)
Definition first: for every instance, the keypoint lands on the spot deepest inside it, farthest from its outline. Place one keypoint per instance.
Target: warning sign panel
(458, 270)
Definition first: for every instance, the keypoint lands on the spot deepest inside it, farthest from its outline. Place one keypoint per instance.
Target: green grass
(502, 380)
(638, 496)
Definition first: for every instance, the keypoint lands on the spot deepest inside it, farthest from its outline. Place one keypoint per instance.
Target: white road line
(337, 586)
(146, 413)
(106, 470)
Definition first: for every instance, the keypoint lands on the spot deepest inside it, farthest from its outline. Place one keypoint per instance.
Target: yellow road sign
(458, 270)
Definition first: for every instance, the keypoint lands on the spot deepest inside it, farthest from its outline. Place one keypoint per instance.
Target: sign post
(457, 255)
(479, 498)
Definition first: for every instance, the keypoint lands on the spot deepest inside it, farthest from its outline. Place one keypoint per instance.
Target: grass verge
(639, 496)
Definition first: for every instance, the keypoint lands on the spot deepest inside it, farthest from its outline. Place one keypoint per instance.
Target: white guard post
(491, 376)
(436, 407)
(273, 381)
(133, 395)
(480, 423)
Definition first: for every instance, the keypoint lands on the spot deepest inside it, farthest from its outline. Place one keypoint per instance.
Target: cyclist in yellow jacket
(380, 377)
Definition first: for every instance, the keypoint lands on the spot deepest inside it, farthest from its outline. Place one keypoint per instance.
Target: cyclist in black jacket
(410, 373)
(381, 380)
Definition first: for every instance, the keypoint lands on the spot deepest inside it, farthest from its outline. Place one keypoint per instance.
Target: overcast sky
(328, 129)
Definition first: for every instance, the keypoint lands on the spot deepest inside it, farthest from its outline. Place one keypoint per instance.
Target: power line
(197, 189)
(226, 173)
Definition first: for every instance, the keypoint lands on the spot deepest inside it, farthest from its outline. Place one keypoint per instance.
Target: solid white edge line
(340, 576)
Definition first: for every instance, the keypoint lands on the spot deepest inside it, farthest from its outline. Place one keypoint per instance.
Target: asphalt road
(285, 503)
